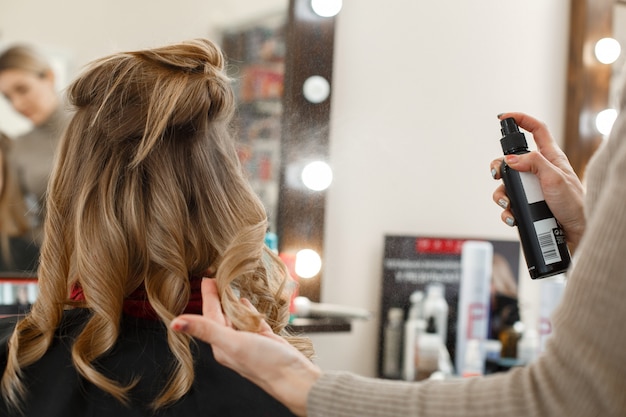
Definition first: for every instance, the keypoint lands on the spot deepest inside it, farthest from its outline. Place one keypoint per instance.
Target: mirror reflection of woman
(17, 251)
(27, 81)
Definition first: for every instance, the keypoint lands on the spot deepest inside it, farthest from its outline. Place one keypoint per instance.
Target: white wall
(416, 90)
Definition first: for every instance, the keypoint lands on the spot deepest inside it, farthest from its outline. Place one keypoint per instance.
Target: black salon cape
(56, 389)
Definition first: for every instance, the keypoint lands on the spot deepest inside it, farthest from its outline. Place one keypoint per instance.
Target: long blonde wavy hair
(148, 189)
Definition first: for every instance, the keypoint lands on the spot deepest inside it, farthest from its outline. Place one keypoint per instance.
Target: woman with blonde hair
(147, 197)
(28, 82)
(18, 253)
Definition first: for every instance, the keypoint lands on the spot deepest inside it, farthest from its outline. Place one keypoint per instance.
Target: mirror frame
(305, 135)
(588, 81)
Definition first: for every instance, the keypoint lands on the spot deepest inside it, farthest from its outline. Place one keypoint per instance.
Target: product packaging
(474, 296)
(414, 326)
(435, 306)
(392, 351)
(551, 292)
(542, 238)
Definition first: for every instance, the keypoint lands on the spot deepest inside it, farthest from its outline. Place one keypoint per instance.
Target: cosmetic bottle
(392, 349)
(511, 334)
(550, 294)
(271, 240)
(429, 348)
(414, 326)
(436, 306)
(528, 346)
(474, 363)
(542, 238)
(474, 299)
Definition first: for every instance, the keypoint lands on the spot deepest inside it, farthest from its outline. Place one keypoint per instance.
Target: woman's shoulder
(72, 319)
(141, 349)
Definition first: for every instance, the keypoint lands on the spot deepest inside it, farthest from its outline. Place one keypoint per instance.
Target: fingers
(213, 319)
(201, 328)
(211, 306)
(227, 343)
(495, 168)
(500, 198)
(559, 183)
(546, 144)
(537, 128)
(534, 162)
(263, 326)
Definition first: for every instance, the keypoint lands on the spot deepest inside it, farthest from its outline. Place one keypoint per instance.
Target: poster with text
(411, 263)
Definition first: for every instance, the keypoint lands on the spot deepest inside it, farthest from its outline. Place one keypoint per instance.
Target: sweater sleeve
(583, 369)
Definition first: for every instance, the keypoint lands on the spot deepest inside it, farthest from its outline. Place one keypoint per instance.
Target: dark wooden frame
(305, 132)
(588, 81)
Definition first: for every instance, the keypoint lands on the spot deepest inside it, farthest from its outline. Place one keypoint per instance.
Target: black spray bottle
(542, 238)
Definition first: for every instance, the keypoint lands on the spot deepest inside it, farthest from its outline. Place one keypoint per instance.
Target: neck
(138, 305)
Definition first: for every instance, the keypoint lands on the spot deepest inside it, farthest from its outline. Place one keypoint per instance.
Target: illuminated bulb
(317, 175)
(607, 50)
(605, 120)
(326, 8)
(316, 89)
(308, 263)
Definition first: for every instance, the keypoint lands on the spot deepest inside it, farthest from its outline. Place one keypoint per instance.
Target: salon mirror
(593, 83)
(291, 130)
(618, 76)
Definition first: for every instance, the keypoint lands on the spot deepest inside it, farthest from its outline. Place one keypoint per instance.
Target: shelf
(319, 325)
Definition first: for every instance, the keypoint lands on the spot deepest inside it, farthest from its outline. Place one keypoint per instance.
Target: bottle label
(532, 187)
(477, 320)
(546, 230)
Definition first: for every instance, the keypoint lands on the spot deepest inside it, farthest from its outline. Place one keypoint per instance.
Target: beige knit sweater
(583, 370)
(32, 157)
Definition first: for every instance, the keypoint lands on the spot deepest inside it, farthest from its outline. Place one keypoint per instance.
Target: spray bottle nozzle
(508, 126)
(513, 141)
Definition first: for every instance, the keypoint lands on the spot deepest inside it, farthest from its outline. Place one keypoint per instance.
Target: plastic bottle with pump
(429, 350)
(436, 306)
(542, 238)
(414, 326)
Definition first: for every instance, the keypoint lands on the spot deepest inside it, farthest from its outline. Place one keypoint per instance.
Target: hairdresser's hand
(561, 187)
(264, 358)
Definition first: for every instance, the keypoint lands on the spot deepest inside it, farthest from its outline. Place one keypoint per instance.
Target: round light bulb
(316, 89)
(326, 8)
(317, 175)
(607, 50)
(308, 263)
(605, 120)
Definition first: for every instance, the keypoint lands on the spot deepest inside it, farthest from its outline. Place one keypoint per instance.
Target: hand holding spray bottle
(542, 238)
